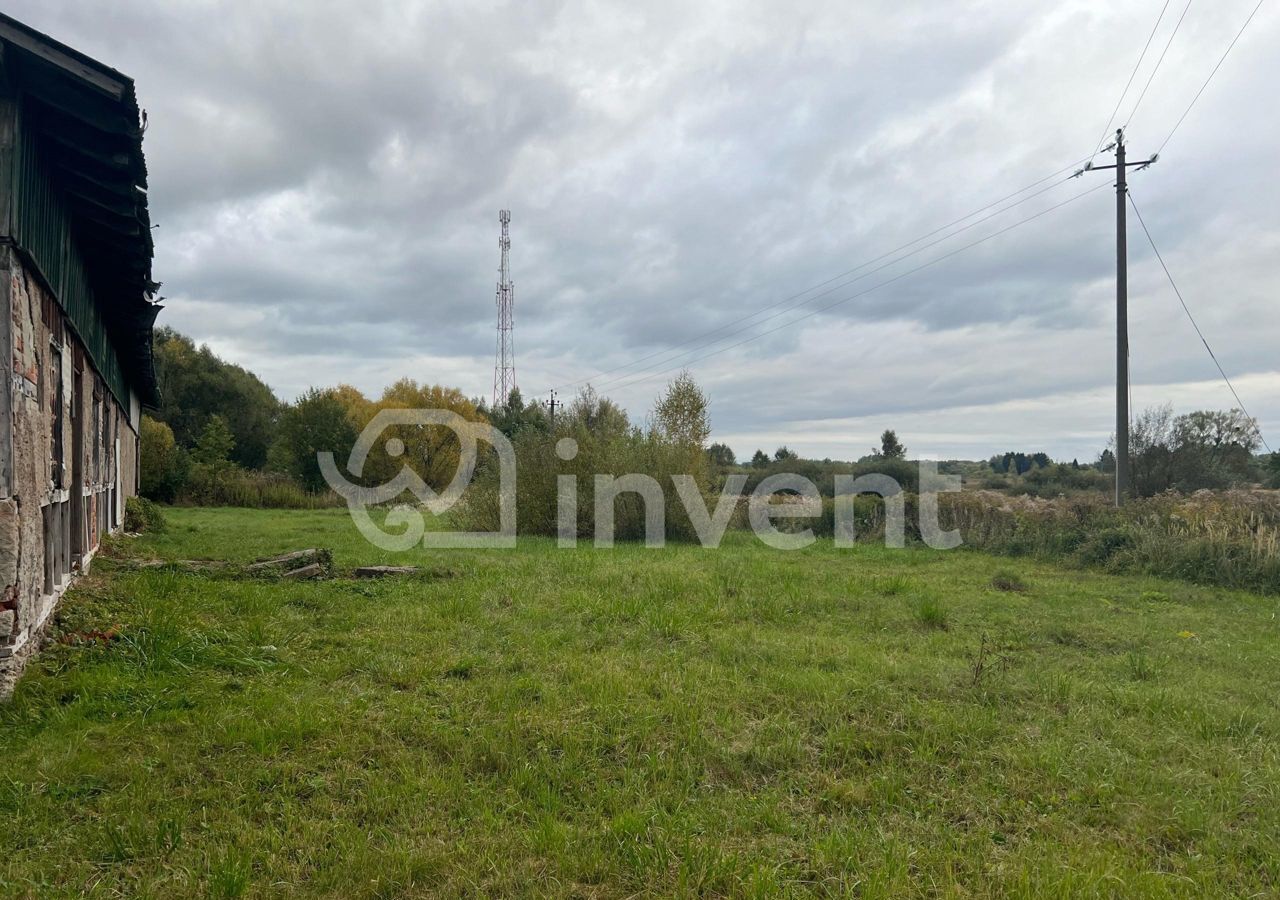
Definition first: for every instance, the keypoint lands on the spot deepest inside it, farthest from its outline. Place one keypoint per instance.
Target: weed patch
(1004, 580)
(930, 613)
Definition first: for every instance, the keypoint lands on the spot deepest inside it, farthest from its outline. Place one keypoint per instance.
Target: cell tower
(504, 364)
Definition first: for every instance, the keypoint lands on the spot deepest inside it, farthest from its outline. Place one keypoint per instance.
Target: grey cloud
(326, 181)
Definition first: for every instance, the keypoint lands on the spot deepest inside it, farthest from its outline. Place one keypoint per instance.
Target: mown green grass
(741, 722)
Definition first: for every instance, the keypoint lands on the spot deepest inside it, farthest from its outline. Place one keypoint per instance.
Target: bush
(538, 468)
(1098, 549)
(225, 484)
(162, 462)
(605, 443)
(140, 515)
(205, 477)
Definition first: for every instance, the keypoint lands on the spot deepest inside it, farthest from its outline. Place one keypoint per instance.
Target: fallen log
(298, 565)
(194, 565)
(383, 571)
(314, 570)
(288, 561)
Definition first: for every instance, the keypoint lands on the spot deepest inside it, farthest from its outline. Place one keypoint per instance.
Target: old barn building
(75, 277)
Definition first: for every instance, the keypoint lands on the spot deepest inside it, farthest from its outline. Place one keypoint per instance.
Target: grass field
(743, 722)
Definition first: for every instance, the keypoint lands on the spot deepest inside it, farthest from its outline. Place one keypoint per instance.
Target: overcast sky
(326, 179)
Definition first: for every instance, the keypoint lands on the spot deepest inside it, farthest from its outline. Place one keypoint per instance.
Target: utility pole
(1122, 326)
(552, 405)
(504, 364)
(1122, 309)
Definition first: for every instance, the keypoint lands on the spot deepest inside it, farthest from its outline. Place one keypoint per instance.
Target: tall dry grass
(1229, 538)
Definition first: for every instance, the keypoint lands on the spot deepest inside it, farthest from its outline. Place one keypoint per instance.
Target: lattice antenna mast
(504, 365)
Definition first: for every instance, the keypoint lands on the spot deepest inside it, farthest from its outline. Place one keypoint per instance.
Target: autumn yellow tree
(360, 409)
(433, 450)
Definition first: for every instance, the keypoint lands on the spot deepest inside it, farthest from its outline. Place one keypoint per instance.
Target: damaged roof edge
(83, 131)
(86, 68)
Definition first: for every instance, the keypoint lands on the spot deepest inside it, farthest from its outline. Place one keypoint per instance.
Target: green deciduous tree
(317, 422)
(681, 413)
(160, 461)
(1202, 449)
(215, 444)
(890, 446)
(1214, 448)
(599, 416)
(196, 385)
(721, 455)
(681, 427)
(515, 415)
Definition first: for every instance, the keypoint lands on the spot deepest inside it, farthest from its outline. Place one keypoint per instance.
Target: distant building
(75, 277)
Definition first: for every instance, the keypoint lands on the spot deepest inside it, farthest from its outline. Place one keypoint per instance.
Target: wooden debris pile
(300, 564)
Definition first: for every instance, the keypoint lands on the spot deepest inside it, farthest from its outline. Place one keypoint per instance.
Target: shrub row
(228, 485)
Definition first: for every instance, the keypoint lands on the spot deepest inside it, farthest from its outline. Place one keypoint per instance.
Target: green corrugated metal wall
(41, 230)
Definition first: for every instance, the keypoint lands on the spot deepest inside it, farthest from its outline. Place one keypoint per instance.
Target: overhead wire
(830, 290)
(1218, 65)
(863, 293)
(1106, 129)
(796, 296)
(629, 379)
(1156, 68)
(1192, 319)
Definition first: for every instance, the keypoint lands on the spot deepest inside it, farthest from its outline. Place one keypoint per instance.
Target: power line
(1106, 129)
(699, 337)
(1211, 74)
(748, 326)
(667, 352)
(875, 287)
(1192, 320)
(846, 273)
(1152, 76)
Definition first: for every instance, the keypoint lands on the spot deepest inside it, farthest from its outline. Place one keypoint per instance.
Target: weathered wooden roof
(87, 128)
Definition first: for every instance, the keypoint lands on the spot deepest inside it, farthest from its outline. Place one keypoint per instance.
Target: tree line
(221, 436)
